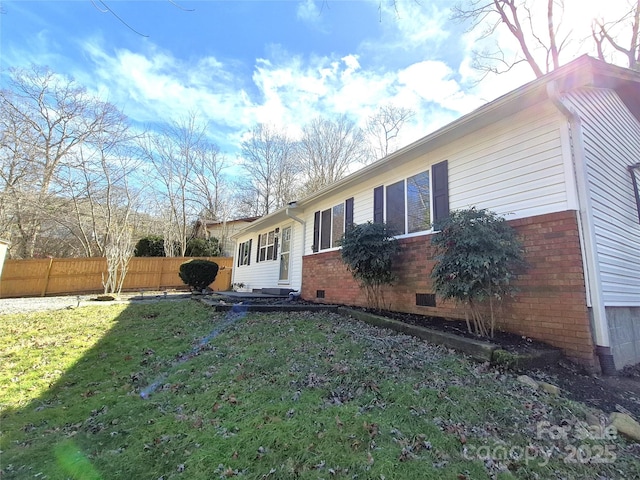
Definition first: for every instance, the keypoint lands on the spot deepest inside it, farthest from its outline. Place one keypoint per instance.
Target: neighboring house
(224, 232)
(559, 157)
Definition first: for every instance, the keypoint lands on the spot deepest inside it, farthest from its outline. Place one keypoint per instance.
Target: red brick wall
(551, 304)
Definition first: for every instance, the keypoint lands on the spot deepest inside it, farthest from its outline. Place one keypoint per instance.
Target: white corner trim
(587, 231)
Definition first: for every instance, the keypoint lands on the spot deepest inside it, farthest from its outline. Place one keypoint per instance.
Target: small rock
(527, 380)
(626, 425)
(593, 419)
(549, 388)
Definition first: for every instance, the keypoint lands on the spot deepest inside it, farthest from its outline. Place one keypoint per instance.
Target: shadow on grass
(150, 391)
(79, 380)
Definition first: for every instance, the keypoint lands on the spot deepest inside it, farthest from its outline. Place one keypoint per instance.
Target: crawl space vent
(426, 299)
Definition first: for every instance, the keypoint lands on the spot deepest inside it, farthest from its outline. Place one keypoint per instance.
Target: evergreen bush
(198, 274)
(368, 250)
(202, 247)
(478, 255)
(150, 246)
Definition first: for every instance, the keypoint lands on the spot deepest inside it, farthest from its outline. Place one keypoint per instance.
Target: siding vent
(319, 293)
(426, 299)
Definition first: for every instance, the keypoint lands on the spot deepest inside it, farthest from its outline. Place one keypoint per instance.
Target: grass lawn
(171, 390)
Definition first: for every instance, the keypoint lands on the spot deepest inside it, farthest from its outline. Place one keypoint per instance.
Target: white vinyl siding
(612, 143)
(515, 167)
(266, 274)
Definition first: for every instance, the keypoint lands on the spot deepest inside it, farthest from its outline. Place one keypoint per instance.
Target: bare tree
(532, 37)
(542, 39)
(45, 119)
(329, 149)
(207, 184)
(187, 172)
(384, 127)
(612, 33)
(271, 173)
(101, 191)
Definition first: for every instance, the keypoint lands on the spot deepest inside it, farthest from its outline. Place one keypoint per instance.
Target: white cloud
(308, 12)
(156, 86)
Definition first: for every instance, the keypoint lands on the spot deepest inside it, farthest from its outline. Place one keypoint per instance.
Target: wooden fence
(61, 276)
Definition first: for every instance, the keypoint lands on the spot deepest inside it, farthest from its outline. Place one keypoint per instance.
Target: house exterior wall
(612, 142)
(611, 135)
(265, 274)
(515, 167)
(551, 306)
(224, 233)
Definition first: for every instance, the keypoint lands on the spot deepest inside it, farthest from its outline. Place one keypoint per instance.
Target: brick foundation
(550, 306)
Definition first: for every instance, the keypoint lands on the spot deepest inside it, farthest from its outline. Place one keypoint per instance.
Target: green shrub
(202, 247)
(198, 274)
(150, 246)
(368, 250)
(478, 254)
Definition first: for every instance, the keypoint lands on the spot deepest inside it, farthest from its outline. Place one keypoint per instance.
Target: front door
(285, 254)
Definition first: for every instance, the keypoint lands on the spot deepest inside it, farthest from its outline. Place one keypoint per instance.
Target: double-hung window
(267, 246)
(407, 205)
(244, 253)
(329, 225)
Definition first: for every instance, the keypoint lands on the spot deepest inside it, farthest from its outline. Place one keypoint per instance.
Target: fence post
(46, 278)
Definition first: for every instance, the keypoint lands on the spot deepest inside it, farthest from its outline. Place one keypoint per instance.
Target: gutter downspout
(288, 213)
(592, 277)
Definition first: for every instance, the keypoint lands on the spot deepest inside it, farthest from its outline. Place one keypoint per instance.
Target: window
(634, 170)
(244, 253)
(329, 225)
(337, 229)
(418, 203)
(267, 246)
(407, 205)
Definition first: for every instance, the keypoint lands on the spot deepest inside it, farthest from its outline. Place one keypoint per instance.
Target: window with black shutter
(406, 206)
(329, 225)
(244, 253)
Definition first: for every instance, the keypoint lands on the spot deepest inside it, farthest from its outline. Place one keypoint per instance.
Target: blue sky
(237, 63)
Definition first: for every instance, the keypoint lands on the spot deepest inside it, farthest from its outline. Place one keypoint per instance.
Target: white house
(225, 230)
(559, 157)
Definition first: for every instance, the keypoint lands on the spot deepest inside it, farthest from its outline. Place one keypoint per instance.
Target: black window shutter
(440, 176)
(275, 248)
(396, 208)
(240, 252)
(258, 249)
(316, 231)
(249, 252)
(378, 204)
(348, 214)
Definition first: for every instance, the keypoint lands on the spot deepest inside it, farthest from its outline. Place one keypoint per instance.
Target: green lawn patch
(174, 390)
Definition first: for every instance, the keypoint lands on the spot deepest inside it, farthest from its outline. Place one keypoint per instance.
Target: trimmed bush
(201, 247)
(150, 246)
(367, 250)
(478, 256)
(198, 274)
